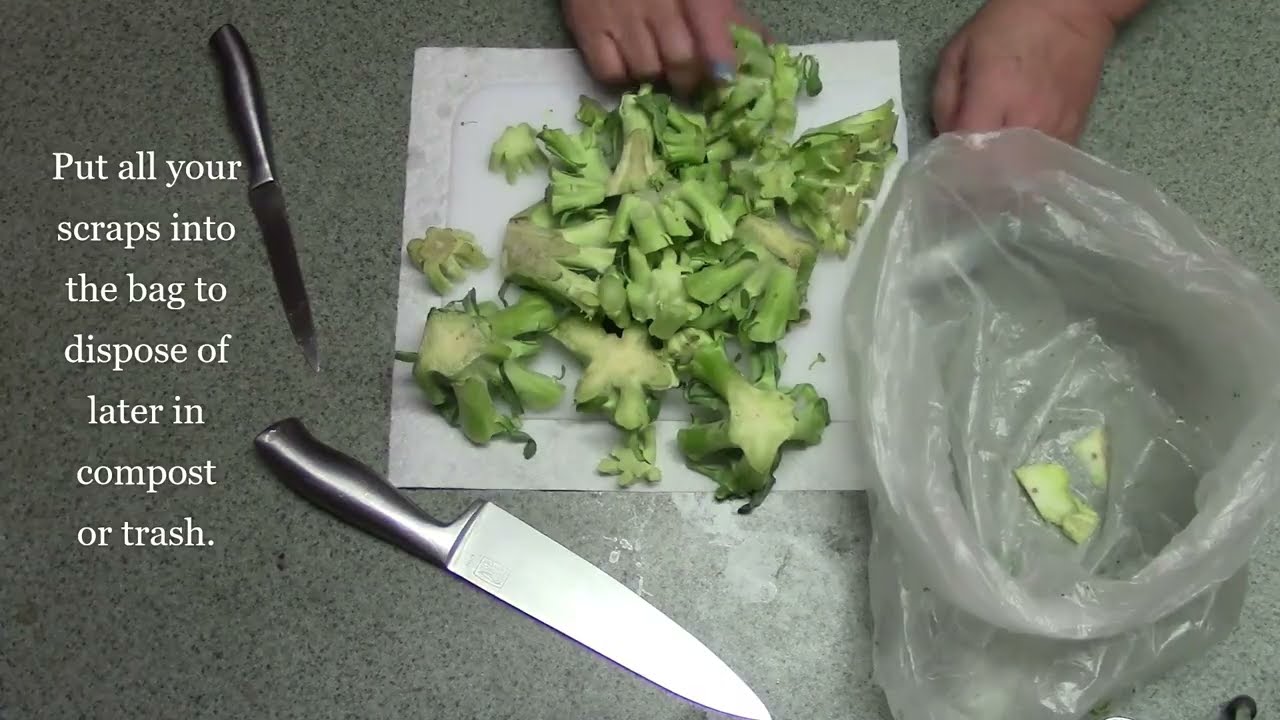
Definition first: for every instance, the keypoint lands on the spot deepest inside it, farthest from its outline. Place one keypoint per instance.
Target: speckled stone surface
(292, 615)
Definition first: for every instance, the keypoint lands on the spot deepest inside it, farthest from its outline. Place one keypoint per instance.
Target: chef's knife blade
(501, 555)
(243, 95)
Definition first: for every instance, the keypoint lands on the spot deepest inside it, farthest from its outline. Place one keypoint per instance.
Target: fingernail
(722, 71)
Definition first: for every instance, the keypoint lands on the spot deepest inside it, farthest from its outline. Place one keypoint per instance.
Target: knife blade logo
(490, 571)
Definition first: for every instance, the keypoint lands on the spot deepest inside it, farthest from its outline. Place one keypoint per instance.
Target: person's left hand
(1023, 63)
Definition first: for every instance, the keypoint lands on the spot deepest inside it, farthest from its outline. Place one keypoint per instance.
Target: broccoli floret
(516, 152)
(557, 261)
(713, 282)
(761, 101)
(680, 348)
(790, 73)
(746, 423)
(684, 138)
(568, 193)
(831, 211)
(578, 155)
(635, 460)
(612, 291)
(621, 374)
(773, 294)
(605, 126)
(721, 150)
(638, 214)
(469, 358)
(1049, 486)
(657, 296)
(874, 130)
(706, 206)
(591, 113)
(445, 256)
(638, 166)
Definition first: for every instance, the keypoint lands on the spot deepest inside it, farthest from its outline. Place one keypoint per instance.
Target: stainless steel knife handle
(354, 493)
(244, 100)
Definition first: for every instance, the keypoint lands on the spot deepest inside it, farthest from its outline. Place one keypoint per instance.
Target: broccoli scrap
(635, 460)
(445, 256)
(559, 262)
(622, 374)
(1049, 486)
(1091, 451)
(516, 152)
(746, 422)
(471, 356)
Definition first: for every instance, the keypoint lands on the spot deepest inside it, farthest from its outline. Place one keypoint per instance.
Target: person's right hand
(685, 42)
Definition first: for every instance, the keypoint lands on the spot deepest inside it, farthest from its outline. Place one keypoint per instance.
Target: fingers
(604, 59)
(984, 99)
(947, 84)
(709, 21)
(679, 53)
(639, 53)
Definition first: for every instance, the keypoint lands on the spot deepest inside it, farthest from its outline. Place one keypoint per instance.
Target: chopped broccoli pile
(667, 232)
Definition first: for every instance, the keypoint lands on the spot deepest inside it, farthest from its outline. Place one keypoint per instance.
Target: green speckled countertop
(292, 615)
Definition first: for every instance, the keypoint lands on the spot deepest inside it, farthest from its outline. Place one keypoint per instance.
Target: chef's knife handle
(354, 493)
(243, 96)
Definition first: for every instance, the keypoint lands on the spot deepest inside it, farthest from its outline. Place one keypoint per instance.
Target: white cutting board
(462, 100)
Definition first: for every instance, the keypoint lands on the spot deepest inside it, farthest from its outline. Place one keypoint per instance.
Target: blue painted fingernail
(722, 71)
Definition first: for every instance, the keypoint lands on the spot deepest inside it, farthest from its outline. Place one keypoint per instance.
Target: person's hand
(684, 42)
(1023, 63)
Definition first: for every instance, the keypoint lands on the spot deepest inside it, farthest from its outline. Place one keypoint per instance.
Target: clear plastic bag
(1013, 293)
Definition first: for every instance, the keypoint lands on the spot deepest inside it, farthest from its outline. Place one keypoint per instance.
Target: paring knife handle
(244, 101)
(354, 493)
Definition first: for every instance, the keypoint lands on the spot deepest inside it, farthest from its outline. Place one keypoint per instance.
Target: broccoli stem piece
(1049, 487)
(516, 152)
(635, 460)
(684, 139)
(578, 154)
(638, 215)
(874, 130)
(760, 418)
(715, 281)
(543, 259)
(621, 374)
(535, 391)
(446, 255)
(638, 165)
(1091, 451)
(612, 292)
(590, 112)
(465, 359)
(657, 295)
(568, 193)
(710, 216)
(774, 290)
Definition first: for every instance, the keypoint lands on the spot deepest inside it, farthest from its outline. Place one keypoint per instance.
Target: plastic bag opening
(1013, 295)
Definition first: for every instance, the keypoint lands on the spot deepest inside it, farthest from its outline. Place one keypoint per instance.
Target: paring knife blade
(506, 558)
(243, 95)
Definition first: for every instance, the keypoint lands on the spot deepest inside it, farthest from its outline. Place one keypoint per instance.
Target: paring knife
(248, 114)
(503, 556)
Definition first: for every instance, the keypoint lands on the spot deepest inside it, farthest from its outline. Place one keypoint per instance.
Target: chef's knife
(501, 555)
(248, 113)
